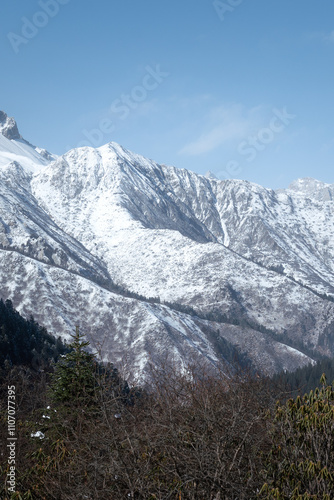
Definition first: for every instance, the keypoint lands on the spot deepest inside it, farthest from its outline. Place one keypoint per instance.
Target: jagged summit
(8, 127)
(210, 175)
(313, 188)
(13, 147)
(306, 184)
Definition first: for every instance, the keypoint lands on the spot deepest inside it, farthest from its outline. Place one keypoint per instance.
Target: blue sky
(242, 88)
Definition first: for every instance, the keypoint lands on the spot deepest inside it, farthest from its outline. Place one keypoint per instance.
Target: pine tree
(74, 380)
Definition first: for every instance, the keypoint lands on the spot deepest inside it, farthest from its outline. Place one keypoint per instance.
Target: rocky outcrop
(8, 127)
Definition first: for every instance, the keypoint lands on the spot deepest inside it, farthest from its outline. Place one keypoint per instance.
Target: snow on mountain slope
(251, 260)
(126, 331)
(111, 188)
(230, 246)
(14, 148)
(313, 189)
(26, 228)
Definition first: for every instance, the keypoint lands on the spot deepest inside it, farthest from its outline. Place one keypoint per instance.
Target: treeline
(24, 341)
(279, 269)
(218, 316)
(190, 438)
(305, 379)
(83, 433)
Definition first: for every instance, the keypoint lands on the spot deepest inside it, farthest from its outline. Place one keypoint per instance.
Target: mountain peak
(210, 175)
(8, 127)
(13, 147)
(313, 188)
(305, 182)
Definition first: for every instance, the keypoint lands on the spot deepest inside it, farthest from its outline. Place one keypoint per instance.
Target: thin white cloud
(222, 125)
(323, 37)
(330, 37)
(190, 102)
(327, 146)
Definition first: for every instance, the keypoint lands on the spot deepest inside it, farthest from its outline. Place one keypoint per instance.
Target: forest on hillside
(82, 432)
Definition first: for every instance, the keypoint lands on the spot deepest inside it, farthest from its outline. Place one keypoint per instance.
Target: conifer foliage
(305, 378)
(24, 342)
(182, 437)
(74, 379)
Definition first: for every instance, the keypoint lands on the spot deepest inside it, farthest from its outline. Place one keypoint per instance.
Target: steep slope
(129, 332)
(110, 188)
(27, 229)
(14, 148)
(24, 226)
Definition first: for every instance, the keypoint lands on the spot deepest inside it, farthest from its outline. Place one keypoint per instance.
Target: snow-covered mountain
(80, 231)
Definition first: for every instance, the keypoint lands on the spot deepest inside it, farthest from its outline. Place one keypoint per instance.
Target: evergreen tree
(74, 379)
(25, 342)
(306, 378)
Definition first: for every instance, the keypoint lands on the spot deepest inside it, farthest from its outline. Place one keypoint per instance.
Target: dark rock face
(8, 127)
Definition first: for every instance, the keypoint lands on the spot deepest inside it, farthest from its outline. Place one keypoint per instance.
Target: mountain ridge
(125, 224)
